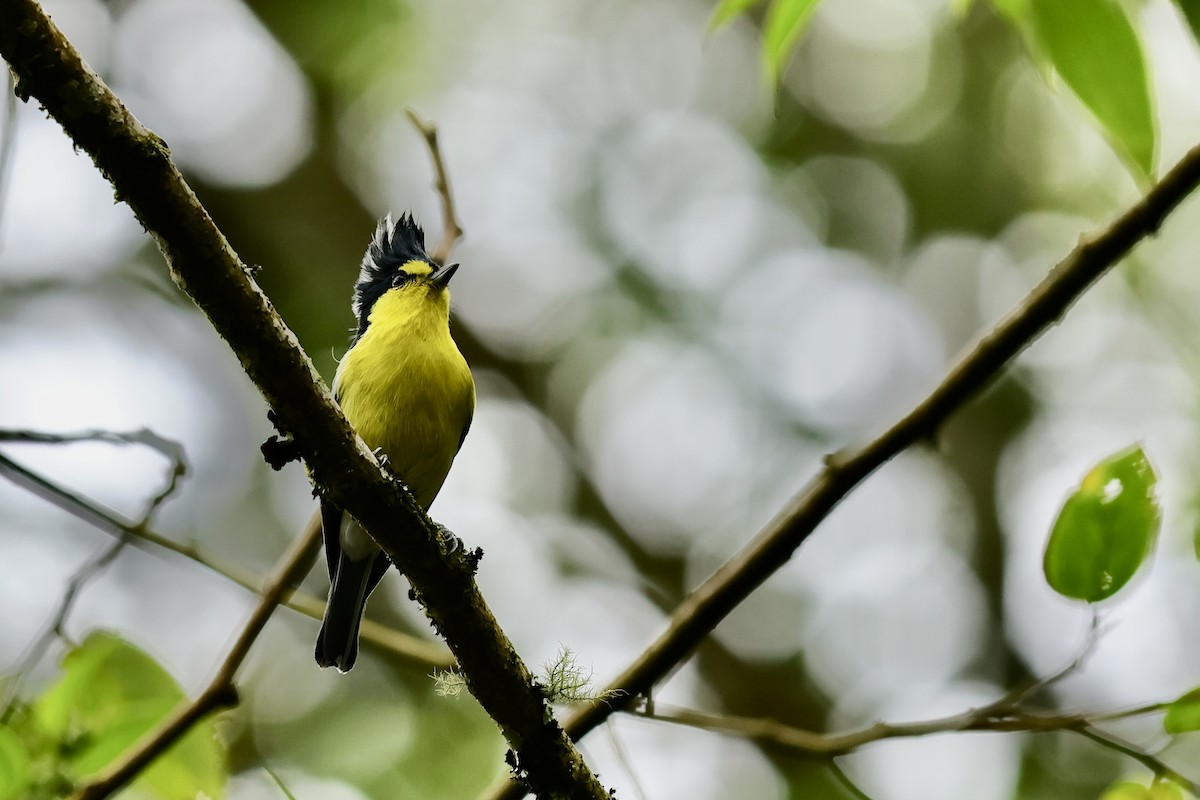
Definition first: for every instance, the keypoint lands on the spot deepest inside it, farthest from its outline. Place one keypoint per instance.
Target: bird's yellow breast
(406, 388)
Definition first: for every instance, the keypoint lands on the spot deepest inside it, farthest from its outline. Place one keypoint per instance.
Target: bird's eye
(400, 277)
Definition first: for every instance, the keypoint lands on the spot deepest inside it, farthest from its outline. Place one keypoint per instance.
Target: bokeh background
(680, 288)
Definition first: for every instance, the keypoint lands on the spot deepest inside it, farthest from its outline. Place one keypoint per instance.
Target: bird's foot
(450, 543)
(382, 458)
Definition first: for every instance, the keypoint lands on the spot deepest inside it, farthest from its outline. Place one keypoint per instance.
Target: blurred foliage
(1183, 715)
(109, 695)
(984, 166)
(1091, 44)
(1158, 790)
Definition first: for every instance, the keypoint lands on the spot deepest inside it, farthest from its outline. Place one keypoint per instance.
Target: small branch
(420, 653)
(143, 436)
(830, 745)
(168, 448)
(1148, 760)
(55, 628)
(451, 226)
(221, 691)
(988, 718)
(1019, 694)
(846, 783)
(626, 763)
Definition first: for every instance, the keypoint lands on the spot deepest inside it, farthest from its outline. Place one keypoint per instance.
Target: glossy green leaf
(1105, 530)
(727, 10)
(14, 765)
(109, 696)
(1183, 715)
(785, 23)
(1095, 49)
(1191, 12)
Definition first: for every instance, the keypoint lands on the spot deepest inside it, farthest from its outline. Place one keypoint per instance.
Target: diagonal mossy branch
(139, 166)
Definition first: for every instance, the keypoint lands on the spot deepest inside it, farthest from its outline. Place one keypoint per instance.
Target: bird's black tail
(337, 643)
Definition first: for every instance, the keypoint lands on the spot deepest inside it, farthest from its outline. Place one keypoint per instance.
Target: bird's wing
(378, 569)
(466, 428)
(331, 525)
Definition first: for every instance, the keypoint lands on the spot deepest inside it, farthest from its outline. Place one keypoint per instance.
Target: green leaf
(1164, 789)
(1191, 12)
(1017, 11)
(728, 10)
(14, 765)
(1183, 714)
(785, 23)
(1126, 790)
(961, 8)
(1105, 530)
(109, 696)
(1094, 47)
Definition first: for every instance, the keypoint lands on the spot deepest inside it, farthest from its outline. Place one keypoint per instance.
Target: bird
(408, 392)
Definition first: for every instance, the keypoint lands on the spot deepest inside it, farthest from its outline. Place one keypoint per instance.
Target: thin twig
(828, 746)
(452, 228)
(1019, 694)
(420, 653)
(169, 448)
(55, 627)
(1148, 760)
(221, 691)
(143, 436)
(847, 783)
(626, 762)
(774, 545)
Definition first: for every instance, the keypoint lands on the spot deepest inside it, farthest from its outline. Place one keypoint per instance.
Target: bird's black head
(392, 246)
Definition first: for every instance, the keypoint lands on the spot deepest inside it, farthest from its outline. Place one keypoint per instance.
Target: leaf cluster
(109, 694)
(1092, 46)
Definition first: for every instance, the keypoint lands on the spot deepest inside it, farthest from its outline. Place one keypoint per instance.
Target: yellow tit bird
(407, 391)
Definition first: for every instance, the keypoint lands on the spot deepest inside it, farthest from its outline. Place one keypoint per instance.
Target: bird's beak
(442, 277)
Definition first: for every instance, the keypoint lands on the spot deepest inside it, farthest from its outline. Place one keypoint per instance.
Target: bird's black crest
(392, 246)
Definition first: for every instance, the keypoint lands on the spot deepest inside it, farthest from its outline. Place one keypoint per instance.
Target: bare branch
(169, 448)
(1020, 694)
(1148, 760)
(450, 225)
(418, 652)
(1007, 714)
(55, 627)
(990, 718)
